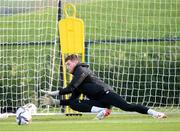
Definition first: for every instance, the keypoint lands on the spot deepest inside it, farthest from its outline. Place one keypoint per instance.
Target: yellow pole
(71, 39)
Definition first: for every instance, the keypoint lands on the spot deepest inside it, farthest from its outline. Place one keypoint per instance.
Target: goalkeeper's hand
(51, 93)
(46, 100)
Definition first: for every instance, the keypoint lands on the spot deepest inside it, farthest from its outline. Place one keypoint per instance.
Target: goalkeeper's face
(70, 65)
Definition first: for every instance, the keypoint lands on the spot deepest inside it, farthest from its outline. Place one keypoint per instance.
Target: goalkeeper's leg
(114, 99)
(88, 106)
(84, 105)
(79, 105)
(75, 104)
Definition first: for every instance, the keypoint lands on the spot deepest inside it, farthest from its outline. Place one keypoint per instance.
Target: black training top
(84, 81)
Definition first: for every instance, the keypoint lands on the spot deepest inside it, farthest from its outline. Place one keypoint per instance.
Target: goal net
(29, 51)
(133, 45)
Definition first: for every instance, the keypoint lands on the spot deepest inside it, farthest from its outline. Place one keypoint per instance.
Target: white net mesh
(133, 45)
(28, 49)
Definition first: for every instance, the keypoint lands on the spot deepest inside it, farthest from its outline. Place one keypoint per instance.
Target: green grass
(138, 65)
(125, 122)
(103, 20)
(33, 26)
(130, 19)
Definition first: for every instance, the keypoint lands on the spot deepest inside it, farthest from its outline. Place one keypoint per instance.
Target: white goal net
(133, 45)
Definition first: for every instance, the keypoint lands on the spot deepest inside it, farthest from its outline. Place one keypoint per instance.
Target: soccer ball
(24, 114)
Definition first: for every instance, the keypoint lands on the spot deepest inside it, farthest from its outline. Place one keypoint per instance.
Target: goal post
(133, 45)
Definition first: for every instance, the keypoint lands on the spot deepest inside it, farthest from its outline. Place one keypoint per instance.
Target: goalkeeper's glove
(48, 100)
(51, 93)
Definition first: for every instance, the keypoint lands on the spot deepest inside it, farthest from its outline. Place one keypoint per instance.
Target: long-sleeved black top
(85, 82)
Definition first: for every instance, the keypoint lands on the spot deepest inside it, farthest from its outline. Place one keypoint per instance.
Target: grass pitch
(121, 122)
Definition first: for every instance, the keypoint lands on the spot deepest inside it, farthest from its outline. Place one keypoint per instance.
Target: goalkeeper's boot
(102, 114)
(160, 115)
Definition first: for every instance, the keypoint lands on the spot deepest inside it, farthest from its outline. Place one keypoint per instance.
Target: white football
(23, 116)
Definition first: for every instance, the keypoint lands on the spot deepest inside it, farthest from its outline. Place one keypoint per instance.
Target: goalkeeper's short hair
(72, 57)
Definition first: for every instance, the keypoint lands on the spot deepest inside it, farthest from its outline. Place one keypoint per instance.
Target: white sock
(95, 109)
(152, 112)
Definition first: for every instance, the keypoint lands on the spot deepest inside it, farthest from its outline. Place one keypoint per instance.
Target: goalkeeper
(85, 82)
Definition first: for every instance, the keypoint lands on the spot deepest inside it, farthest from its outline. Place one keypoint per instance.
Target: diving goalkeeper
(87, 83)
